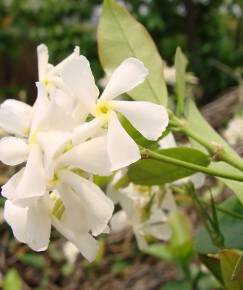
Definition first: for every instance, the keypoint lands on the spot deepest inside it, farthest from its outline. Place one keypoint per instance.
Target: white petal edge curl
(8, 189)
(78, 77)
(149, 119)
(16, 217)
(99, 207)
(32, 185)
(13, 151)
(15, 117)
(87, 245)
(129, 74)
(90, 156)
(122, 150)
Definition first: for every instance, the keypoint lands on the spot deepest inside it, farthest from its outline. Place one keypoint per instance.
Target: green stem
(215, 149)
(146, 153)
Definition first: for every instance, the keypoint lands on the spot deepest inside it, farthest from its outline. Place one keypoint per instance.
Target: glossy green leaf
(152, 172)
(12, 280)
(120, 36)
(230, 227)
(198, 123)
(180, 65)
(228, 262)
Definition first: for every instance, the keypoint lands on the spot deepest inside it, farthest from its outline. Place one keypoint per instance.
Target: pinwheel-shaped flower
(148, 118)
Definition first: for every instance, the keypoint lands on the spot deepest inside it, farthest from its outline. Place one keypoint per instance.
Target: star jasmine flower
(72, 210)
(26, 123)
(145, 209)
(148, 118)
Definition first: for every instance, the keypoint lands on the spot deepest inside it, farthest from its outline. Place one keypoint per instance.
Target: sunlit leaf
(152, 172)
(120, 36)
(199, 124)
(180, 65)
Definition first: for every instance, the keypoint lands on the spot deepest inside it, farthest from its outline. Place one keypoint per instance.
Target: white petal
(52, 144)
(90, 156)
(198, 180)
(48, 115)
(9, 188)
(119, 221)
(33, 183)
(38, 227)
(129, 74)
(141, 241)
(86, 244)
(78, 76)
(99, 207)
(168, 141)
(87, 130)
(149, 119)
(16, 217)
(122, 150)
(13, 151)
(168, 203)
(15, 117)
(159, 231)
(43, 56)
(61, 66)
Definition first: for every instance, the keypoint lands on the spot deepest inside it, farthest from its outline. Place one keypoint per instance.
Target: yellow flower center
(103, 109)
(33, 138)
(58, 207)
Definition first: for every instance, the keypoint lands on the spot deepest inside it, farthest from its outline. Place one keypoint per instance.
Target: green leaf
(180, 65)
(152, 172)
(120, 36)
(230, 227)
(12, 280)
(180, 245)
(136, 135)
(197, 122)
(228, 262)
(213, 264)
(177, 285)
(160, 251)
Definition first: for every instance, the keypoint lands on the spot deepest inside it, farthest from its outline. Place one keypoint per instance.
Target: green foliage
(120, 36)
(178, 285)
(180, 65)
(199, 124)
(12, 280)
(181, 245)
(228, 261)
(230, 227)
(152, 172)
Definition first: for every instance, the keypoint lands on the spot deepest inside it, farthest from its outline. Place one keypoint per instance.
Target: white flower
(233, 132)
(148, 118)
(71, 207)
(71, 252)
(145, 209)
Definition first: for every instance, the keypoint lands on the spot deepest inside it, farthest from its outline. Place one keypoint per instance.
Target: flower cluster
(67, 137)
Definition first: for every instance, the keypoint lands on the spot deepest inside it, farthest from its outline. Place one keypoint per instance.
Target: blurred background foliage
(207, 30)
